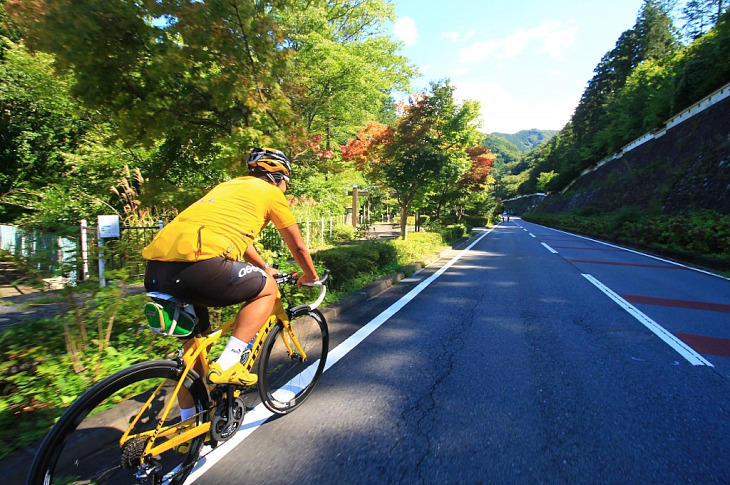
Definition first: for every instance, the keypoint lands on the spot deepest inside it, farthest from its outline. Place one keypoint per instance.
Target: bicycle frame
(198, 353)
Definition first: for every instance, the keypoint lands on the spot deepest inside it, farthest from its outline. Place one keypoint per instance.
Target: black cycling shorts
(213, 282)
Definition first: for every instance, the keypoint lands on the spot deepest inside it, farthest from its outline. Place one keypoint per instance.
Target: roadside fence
(66, 260)
(48, 254)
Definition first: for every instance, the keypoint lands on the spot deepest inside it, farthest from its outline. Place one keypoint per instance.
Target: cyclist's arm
(252, 256)
(293, 239)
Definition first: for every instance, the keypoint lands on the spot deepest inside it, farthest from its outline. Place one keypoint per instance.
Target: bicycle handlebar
(292, 278)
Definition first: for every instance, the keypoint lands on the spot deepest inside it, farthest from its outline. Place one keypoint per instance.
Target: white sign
(108, 226)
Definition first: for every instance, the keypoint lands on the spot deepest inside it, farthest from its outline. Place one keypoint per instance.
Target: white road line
(259, 415)
(531, 234)
(549, 248)
(639, 253)
(670, 339)
(357, 337)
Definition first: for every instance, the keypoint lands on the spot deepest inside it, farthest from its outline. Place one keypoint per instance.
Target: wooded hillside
(686, 170)
(649, 76)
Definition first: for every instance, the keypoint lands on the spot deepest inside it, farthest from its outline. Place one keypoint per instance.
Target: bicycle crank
(227, 418)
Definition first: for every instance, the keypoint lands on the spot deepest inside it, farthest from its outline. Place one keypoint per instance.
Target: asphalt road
(535, 357)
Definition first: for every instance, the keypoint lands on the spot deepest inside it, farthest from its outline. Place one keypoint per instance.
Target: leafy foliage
(68, 354)
(354, 266)
(223, 75)
(180, 90)
(426, 149)
(38, 125)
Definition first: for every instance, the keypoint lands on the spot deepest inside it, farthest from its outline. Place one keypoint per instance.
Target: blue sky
(527, 61)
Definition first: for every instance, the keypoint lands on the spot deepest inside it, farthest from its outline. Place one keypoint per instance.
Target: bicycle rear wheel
(83, 447)
(286, 380)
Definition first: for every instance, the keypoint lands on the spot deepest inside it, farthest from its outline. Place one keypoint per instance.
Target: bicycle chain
(213, 443)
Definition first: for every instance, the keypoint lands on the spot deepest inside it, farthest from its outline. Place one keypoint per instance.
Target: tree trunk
(403, 221)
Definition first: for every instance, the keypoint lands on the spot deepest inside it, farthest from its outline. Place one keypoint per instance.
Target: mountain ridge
(526, 140)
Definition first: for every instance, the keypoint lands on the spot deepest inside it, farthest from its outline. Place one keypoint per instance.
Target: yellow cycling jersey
(222, 223)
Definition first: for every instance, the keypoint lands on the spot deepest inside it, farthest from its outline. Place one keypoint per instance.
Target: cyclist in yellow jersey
(197, 256)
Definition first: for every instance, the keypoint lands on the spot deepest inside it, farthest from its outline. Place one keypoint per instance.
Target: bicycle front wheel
(285, 376)
(83, 447)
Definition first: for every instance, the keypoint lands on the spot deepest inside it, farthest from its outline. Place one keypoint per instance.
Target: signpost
(107, 227)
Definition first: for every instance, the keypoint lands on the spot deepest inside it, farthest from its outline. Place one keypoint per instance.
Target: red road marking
(656, 266)
(707, 345)
(692, 305)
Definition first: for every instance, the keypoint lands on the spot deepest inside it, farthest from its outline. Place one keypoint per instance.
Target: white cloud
(504, 112)
(405, 30)
(555, 37)
(552, 37)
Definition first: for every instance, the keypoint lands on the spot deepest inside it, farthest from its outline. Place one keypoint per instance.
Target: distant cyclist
(197, 256)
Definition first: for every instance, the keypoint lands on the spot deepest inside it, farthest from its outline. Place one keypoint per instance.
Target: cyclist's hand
(307, 280)
(271, 271)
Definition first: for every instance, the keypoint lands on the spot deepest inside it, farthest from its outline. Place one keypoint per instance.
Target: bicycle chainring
(227, 421)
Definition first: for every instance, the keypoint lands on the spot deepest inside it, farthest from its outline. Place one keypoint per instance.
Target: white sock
(232, 353)
(186, 413)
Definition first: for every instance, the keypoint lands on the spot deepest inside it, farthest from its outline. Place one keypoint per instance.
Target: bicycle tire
(83, 446)
(285, 381)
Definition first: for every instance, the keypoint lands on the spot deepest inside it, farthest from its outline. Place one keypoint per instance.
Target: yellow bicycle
(127, 428)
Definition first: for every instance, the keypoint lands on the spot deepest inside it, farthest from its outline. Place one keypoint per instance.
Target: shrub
(351, 263)
(478, 221)
(343, 233)
(418, 246)
(356, 264)
(704, 233)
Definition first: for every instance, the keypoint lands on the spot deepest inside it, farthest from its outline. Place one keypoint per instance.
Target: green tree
(37, 126)
(667, 79)
(344, 63)
(703, 66)
(655, 30)
(209, 80)
(468, 192)
(8, 30)
(161, 66)
(424, 150)
(543, 180)
(699, 16)
(652, 37)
